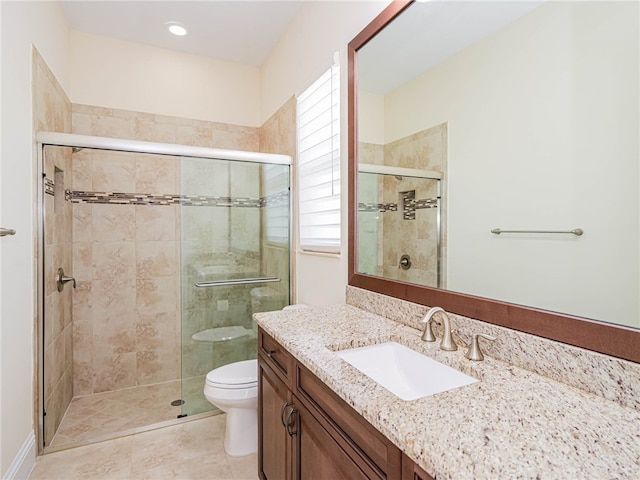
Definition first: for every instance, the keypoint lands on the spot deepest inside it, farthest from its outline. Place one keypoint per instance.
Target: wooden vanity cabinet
(274, 399)
(307, 432)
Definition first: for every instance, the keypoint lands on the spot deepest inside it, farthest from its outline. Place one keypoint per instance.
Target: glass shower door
(234, 220)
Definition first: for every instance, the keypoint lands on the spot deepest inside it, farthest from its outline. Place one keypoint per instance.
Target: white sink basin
(404, 372)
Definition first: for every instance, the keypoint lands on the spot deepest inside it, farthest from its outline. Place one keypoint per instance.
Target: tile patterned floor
(107, 413)
(188, 451)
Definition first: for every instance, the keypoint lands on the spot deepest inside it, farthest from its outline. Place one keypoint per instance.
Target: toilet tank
(265, 299)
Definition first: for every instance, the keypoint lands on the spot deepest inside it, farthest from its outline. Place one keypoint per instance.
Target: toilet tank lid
(237, 373)
(221, 334)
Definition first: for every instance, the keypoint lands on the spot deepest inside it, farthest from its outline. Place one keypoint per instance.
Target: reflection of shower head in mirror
(398, 177)
(76, 149)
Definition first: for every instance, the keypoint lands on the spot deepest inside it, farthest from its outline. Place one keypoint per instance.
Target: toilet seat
(236, 375)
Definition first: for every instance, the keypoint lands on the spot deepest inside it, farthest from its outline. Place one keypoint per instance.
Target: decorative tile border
(276, 200)
(410, 205)
(377, 207)
(117, 198)
(49, 186)
(426, 203)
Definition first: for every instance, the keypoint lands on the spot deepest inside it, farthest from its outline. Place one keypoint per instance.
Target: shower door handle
(6, 231)
(61, 280)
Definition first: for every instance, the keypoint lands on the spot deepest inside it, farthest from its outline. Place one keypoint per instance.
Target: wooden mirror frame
(618, 341)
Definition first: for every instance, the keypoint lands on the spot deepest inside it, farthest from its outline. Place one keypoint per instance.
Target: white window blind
(318, 124)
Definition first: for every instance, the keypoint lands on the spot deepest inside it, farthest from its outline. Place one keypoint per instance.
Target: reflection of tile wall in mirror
(383, 236)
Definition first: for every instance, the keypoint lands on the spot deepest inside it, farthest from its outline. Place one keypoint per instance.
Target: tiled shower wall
(396, 236)
(127, 309)
(52, 112)
(125, 259)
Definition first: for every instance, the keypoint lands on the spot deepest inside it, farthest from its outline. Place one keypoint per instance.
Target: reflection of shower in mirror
(399, 225)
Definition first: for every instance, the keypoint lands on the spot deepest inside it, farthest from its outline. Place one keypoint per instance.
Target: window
(318, 125)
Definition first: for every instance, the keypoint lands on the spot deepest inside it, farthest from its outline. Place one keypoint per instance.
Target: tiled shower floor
(94, 416)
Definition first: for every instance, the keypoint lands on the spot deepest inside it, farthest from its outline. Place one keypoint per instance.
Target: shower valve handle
(61, 280)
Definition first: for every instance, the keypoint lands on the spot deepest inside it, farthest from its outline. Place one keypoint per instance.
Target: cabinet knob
(270, 352)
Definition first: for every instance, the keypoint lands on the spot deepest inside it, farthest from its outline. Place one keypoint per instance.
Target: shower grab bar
(576, 231)
(237, 281)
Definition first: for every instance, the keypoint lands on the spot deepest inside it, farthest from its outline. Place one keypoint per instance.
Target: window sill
(319, 254)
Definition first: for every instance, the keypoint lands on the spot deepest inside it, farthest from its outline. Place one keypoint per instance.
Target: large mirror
(496, 146)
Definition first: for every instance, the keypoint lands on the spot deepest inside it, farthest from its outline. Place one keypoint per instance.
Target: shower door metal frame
(47, 139)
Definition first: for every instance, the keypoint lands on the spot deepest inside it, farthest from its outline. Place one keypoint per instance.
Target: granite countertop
(511, 424)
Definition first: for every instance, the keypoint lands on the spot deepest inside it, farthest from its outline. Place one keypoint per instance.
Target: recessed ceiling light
(176, 28)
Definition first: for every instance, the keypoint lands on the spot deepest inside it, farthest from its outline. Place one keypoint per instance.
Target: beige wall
(23, 24)
(109, 73)
(370, 118)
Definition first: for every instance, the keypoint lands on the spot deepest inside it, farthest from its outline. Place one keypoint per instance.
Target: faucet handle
(428, 335)
(474, 353)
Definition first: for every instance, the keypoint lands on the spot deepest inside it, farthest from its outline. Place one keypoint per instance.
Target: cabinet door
(346, 424)
(318, 456)
(274, 443)
(411, 471)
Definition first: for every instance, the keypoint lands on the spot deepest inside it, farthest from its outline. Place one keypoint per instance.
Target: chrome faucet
(447, 342)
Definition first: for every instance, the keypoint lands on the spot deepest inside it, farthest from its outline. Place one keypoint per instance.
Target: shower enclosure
(153, 259)
(399, 224)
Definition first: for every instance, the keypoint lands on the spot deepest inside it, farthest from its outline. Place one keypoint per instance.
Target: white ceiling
(240, 31)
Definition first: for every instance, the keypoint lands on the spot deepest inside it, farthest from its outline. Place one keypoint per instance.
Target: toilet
(233, 388)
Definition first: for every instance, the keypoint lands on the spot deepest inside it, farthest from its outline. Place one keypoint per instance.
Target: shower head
(76, 149)
(398, 177)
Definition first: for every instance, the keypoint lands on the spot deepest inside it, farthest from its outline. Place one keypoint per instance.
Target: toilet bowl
(233, 388)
